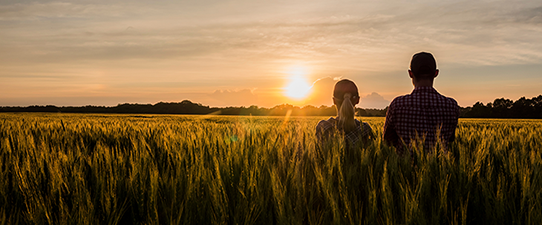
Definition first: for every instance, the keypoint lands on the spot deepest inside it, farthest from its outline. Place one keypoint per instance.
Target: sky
(252, 52)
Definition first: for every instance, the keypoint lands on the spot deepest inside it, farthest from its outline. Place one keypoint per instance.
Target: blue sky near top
(241, 52)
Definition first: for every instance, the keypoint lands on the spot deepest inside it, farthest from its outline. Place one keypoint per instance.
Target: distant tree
(253, 110)
(501, 108)
(537, 102)
(362, 112)
(327, 111)
(376, 112)
(479, 110)
(310, 110)
(523, 108)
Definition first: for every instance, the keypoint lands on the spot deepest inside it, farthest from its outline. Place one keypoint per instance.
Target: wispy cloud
(239, 45)
(486, 32)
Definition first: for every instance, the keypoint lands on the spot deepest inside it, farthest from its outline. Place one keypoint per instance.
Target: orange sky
(240, 52)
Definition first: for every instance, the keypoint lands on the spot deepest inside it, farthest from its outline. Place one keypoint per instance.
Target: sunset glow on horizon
(242, 53)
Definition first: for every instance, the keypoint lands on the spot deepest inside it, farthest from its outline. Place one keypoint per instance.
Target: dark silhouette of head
(345, 97)
(423, 69)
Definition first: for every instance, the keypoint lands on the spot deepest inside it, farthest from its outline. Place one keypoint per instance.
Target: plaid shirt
(326, 128)
(421, 113)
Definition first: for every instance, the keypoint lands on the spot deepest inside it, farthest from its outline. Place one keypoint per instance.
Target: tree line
(188, 107)
(499, 108)
(506, 108)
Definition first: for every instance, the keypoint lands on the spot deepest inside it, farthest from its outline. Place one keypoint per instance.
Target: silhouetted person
(424, 113)
(345, 97)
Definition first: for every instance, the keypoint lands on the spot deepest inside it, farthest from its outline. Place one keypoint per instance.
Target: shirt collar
(424, 89)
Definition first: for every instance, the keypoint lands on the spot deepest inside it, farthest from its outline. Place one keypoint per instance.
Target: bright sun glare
(298, 87)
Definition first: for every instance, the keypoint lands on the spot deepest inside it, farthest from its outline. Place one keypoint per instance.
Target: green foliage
(156, 169)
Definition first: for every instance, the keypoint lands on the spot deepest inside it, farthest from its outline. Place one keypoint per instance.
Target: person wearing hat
(424, 114)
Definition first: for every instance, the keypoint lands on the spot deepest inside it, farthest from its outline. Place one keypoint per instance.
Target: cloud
(322, 92)
(206, 43)
(373, 100)
(485, 32)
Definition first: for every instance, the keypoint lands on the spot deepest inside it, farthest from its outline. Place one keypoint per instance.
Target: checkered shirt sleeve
(423, 114)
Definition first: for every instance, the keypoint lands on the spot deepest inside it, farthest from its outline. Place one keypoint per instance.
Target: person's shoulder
(330, 120)
(451, 101)
(366, 125)
(366, 130)
(358, 123)
(400, 97)
(446, 98)
(325, 124)
(399, 100)
(324, 127)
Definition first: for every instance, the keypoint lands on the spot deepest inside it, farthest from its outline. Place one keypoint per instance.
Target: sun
(298, 88)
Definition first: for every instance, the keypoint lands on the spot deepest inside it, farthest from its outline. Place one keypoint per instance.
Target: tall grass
(145, 169)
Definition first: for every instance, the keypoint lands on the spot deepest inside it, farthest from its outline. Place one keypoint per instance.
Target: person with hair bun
(345, 97)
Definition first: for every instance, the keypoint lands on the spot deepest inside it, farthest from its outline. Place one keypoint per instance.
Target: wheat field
(177, 169)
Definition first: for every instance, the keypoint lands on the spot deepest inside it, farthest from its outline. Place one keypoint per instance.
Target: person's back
(326, 128)
(424, 114)
(345, 97)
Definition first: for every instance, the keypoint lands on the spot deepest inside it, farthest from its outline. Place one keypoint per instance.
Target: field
(160, 169)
